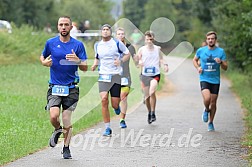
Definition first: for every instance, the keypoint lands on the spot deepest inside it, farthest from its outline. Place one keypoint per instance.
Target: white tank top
(150, 60)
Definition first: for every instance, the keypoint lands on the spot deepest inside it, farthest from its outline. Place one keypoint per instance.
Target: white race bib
(105, 77)
(124, 81)
(59, 90)
(150, 70)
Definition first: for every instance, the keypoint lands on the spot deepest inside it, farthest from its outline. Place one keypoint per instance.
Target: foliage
(151, 13)
(202, 10)
(96, 11)
(232, 21)
(35, 13)
(134, 11)
(22, 45)
(40, 13)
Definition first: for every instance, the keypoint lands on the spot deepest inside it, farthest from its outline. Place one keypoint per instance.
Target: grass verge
(242, 86)
(25, 125)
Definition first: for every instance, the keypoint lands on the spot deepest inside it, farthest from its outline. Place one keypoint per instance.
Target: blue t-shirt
(62, 71)
(211, 69)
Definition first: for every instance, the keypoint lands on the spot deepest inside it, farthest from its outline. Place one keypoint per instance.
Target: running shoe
(55, 137)
(211, 126)
(66, 153)
(153, 117)
(123, 124)
(108, 132)
(149, 119)
(205, 116)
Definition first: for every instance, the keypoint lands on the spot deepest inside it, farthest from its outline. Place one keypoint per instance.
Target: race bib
(124, 81)
(150, 70)
(59, 90)
(210, 67)
(105, 77)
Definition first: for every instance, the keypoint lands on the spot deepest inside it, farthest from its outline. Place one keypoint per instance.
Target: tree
(35, 13)
(232, 21)
(134, 11)
(96, 11)
(202, 9)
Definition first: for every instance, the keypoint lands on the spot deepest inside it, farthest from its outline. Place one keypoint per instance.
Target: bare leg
(66, 119)
(115, 101)
(124, 104)
(147, 98)
(206, 98)
(213, 106)
(54, 117)
(153, 87)
(105, 110)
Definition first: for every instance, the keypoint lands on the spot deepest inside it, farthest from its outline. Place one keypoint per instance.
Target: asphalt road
(178, 138)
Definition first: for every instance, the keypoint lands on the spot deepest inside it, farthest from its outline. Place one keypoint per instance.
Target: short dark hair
(149, 34)
(107, 25)
(210, 33)
(68, 17)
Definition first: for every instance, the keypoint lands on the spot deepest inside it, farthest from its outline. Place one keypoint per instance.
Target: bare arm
(46, 61)
(162, 61)
(125, 57)
(223, 64)
(74, 58)
(196, 64)
(139, 55)
(94, 66)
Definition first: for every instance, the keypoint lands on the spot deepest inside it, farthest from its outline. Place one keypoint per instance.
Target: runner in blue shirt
(211, 59)
(63, 54)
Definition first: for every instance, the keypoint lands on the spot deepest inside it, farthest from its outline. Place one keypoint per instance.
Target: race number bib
(210, 67)
(150, 70)
(105, 78)
(124, 81)
(59, 90)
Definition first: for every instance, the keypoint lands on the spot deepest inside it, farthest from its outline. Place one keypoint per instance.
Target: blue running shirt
(211, 69)
(62, 71)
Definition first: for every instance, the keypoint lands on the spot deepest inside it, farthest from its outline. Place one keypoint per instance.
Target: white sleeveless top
(151, 61)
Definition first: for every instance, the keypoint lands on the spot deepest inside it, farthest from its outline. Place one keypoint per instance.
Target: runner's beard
(64, 34)
(212, 45)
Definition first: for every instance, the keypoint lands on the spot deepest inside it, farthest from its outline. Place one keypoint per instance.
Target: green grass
(242, 86)
(25, 125)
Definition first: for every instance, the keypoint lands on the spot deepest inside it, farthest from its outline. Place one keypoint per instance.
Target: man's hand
(218, 60)
(73, 57)
(47, 61)
(166, 68)
(117, 62)
(199, 70)
(93, 67)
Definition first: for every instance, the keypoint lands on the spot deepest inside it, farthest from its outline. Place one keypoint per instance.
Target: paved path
(178, 138)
